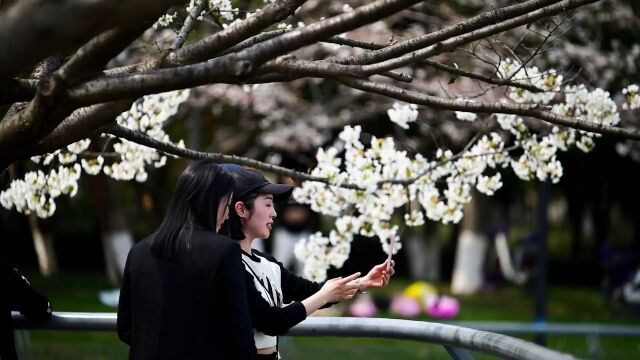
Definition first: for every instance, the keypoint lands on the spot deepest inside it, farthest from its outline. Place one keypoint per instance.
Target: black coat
(17, 294)
(191, 307)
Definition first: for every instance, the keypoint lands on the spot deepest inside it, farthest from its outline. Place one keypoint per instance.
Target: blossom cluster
(148, 116)
(36, 193)
(632, 97)
(437, 188)
(549, 81)
(403, 114)
(388, 179)
(165, 20)
(221, 7)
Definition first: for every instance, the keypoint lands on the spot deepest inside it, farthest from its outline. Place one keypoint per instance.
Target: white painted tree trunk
(471, 251)
(468, 274)
(43, 244)
(116, 244)
(117, 238)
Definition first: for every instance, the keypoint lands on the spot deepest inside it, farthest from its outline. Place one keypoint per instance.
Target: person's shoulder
(141, 246)
(211, 241)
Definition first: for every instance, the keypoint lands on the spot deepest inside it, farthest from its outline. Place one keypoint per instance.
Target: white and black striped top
(274, 297)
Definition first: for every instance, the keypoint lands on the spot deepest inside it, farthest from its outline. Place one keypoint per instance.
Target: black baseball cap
(249, 180)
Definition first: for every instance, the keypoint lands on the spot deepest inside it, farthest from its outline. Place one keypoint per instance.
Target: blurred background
(535, 252)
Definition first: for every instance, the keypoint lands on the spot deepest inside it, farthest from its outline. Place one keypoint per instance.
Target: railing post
(594, 347)
(459, 354)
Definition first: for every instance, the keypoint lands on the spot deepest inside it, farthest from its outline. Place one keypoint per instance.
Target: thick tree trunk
(43, 244)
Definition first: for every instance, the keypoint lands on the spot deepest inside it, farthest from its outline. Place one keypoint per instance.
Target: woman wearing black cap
(183, 294)
(269, 284)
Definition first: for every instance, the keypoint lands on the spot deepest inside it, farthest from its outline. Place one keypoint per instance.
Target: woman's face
(258, 223)
(223, 211)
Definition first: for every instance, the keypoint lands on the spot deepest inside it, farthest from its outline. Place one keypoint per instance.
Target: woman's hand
(339, 289)
(378, 277)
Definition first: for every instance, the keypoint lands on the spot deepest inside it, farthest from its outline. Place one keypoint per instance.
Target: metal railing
(458, 340)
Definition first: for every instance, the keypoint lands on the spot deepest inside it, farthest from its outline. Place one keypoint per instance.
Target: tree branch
(220, 41)
(487, 79)
(474, 23)
(231, 66)
(530, 110)
(87, 60)
(213, 45)
(436, 65)
(67, 24)
(452, 43)
(50, 106)
(262, 37)
(189, 22)
(172, 149)
(79, 125)
(91, 58)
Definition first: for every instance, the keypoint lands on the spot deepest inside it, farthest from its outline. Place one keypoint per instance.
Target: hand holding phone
(391, 246)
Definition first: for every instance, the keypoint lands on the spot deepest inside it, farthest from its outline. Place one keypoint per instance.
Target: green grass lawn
(565, 304)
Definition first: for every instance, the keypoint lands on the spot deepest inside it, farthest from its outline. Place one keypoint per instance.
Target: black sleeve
(230, 279)
(22, 297)
(124, 305)
(294, 287)
(269, 319)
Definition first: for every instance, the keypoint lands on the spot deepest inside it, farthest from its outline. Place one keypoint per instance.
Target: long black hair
(195, 201)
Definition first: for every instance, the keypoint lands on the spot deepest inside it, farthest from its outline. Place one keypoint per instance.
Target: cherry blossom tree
(93, 97)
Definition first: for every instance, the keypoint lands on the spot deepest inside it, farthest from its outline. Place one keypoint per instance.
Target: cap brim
(280, 192)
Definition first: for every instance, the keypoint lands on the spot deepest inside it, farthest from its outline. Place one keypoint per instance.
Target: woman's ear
(240, 209)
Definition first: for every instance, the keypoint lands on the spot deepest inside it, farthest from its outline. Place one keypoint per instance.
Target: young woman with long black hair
(183, 294)
(270, 285)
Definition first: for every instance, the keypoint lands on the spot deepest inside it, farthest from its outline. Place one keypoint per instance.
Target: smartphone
(391, 246)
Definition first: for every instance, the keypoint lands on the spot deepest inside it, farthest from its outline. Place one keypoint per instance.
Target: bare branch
(92, 57)
(487, 79)
(239, 31)
(530, 110)
(308, 68)
(189, 23)
(455, 42)
(474, 23)
(67, 24)
(81, 124)
(172, 149)
(220, 42)
(354, 43)
(537, 50)
(262, 37)
(49, 107)
(280, 45)
(437, 65)
(136, 85)
(231, 66)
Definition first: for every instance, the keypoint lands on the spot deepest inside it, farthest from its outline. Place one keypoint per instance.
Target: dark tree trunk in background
(542, 259)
